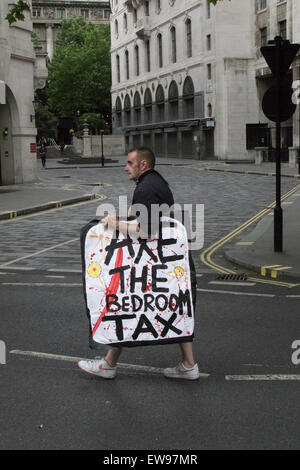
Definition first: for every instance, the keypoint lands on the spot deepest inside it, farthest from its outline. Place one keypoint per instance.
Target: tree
(80, 73)
(17, 12)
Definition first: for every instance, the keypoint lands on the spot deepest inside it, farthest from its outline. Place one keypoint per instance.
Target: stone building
(48, 14)
(188, 77)
(17, 125)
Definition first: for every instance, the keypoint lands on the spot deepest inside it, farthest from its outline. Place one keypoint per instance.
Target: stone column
(260, 155)
(293, 156)
(87, 145)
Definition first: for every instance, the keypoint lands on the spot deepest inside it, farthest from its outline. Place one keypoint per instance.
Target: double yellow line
(206, 256)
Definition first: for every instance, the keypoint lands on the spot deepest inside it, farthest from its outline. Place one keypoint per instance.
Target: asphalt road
(244, 331)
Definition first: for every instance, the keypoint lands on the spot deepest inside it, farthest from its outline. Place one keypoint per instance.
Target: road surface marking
(56, 277)
(206, 256)
(100, 197)
(214, 291)
(58, 357)
(263, 270)
(37, 253)
(245, 243)
(232, 283)
(41, 284)
(17, 268)
(64, 270)
(263, 377)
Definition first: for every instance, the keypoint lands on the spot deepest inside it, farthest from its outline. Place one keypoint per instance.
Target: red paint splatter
(113, 287)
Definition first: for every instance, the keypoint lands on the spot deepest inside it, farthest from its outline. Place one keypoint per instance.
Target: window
(135, 15)
(148, 105)
(160, 104)
(208, 69)
(137, 60)
(137, 108)
(147, 8)
(85, 14)
(107, 14)
(119, 112)
(282, 29)
(264, 36)
(125, 23)
(127, 110)
(36, 12)
(160, 50)
(148, 56)
(118, 68)
(173, 100)
(158, 5)
(173, 45)
(116, 27)
(261, 5)
(208, 11)
(189, 50)
(60, 13)
(208, 42)
(188, 95)
(127, 64)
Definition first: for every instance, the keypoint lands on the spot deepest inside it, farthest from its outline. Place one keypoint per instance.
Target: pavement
(254, 250)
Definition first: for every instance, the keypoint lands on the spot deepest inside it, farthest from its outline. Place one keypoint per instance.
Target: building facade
(48, 14)
(17, 125)
(188, 77)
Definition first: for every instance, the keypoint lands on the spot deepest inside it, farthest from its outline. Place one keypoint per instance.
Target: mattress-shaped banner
(137, 291)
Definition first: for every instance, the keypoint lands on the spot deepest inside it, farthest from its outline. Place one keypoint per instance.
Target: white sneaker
(182, 372)
(98, 367)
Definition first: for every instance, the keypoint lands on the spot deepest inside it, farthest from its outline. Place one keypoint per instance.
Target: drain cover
(232, 277)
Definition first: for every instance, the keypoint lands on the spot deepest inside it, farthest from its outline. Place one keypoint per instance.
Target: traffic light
(5, 132)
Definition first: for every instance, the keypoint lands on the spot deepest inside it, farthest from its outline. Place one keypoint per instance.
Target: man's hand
(111, 221)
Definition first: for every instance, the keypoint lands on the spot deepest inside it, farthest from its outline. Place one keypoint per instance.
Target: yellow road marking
(100, 197)
(206, 256)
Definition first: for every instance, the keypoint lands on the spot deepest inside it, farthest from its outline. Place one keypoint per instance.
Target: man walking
(151, 188)
(42, 152)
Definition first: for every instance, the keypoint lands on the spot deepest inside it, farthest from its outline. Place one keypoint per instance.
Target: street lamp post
(102, 154)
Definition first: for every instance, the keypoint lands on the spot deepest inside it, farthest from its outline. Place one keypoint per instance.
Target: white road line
(231, 283)
(56, 277)
(235, 293)
(63, 270)
(59, 357)
(293, 296)
(37, 253)
(263, 377)
(17, 268)
(41, 284)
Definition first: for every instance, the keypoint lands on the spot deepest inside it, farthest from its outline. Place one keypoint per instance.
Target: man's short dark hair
(144, 153)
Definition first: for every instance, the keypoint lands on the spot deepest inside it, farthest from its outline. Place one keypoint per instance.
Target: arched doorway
(10, 158)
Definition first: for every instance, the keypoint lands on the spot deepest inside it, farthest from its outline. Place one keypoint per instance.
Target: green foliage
(80, 71)
(17, 12)
(96, 122)
(46, 122)
(35, 39)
